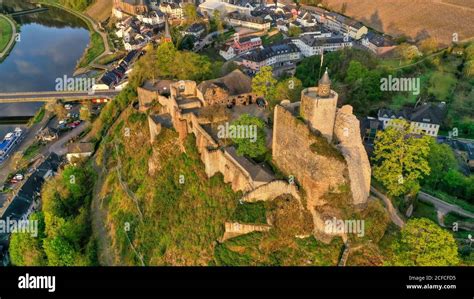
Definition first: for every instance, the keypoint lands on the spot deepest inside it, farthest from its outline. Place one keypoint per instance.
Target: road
(30, 136)
(12, 40)
(58, 147)
(207, 40)
(442, 206)
(391, 209)
(49, 96)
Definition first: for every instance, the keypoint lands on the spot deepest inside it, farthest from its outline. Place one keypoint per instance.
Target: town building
(196, 30)
(244, 7)
(424, 119)
(172, 9)
(152, 18)
(240, 46)
(256, 23)
(131, 7)
(344, 25)
(281, 56)
(377, 43)
(310, 45)
(77, 151)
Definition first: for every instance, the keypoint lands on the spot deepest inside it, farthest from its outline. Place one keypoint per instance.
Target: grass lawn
(268, 40)
(32, 151)
(424, 210)
(38, 116)
(111, 57)
(212, 53)
(442, 84)
(5, 32)
(96, 47)
(250, 213)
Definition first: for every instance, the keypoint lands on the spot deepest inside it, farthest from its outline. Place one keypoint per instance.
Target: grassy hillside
(156, 219)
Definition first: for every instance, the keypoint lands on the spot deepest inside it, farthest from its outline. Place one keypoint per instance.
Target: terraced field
(415, 18)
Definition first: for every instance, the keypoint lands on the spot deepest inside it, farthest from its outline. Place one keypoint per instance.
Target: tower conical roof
(325, 78)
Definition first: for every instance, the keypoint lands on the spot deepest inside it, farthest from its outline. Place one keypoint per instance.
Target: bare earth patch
(100, 10)
(415, 18)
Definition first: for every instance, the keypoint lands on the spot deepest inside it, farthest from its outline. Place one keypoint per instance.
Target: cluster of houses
(116, 78)
(137, 31)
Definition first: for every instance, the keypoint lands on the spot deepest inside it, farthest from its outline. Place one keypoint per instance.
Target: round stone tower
(318, 106)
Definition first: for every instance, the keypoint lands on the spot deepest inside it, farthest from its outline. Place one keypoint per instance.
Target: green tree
(429, 45)
(26, 249)
(400, 159)
(294, 31)
(356, 72)
(407, 52)
(263, 84)
(85, 112)
(288, 89)
(59, 251)
(423, 243)
(217, 20)
(441, 159)
(470, 52)
(469, 68)
(251, 146)
(190, 13)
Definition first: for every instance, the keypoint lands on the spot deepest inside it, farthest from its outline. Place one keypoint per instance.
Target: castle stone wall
(317, 174)
(347, 133)
(271, 191)
(234, 229)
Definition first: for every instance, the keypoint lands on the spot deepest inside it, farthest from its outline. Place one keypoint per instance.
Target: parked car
(74, 124)
(68, 106)
(17, 178)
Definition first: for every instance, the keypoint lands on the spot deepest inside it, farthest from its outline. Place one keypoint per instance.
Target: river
(49, 46)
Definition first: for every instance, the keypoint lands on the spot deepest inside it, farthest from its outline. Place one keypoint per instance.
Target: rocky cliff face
(316, 165)
(347, 134)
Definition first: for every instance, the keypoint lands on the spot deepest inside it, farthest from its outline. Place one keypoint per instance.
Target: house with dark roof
(27, 198)
(234, 88)
(241, 20)
(283, 56)
(377, 43)
(424, 119)
(196, 29)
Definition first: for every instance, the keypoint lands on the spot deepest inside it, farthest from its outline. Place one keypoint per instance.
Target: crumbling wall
(234, 229)
(347, 134)
(271, 190)
(155, 129)
(146, 98)
(317, 174)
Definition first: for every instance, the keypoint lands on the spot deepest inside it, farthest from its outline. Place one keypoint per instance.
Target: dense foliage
(400, 160)
(64, 237)
(423, 243)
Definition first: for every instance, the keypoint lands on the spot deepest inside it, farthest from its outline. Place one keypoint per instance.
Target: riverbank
(8, 37)
(98, 45)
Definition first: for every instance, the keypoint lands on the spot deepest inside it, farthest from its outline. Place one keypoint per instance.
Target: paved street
(444, 207)
(29, 138)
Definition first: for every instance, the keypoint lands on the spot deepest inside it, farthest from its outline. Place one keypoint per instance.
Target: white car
(68, 106)
(18, 177)
(62, 122)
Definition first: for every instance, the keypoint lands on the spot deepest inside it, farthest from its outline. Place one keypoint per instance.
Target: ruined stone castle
(312, 141)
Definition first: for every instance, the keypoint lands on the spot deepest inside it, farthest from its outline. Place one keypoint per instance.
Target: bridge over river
(53, 96)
